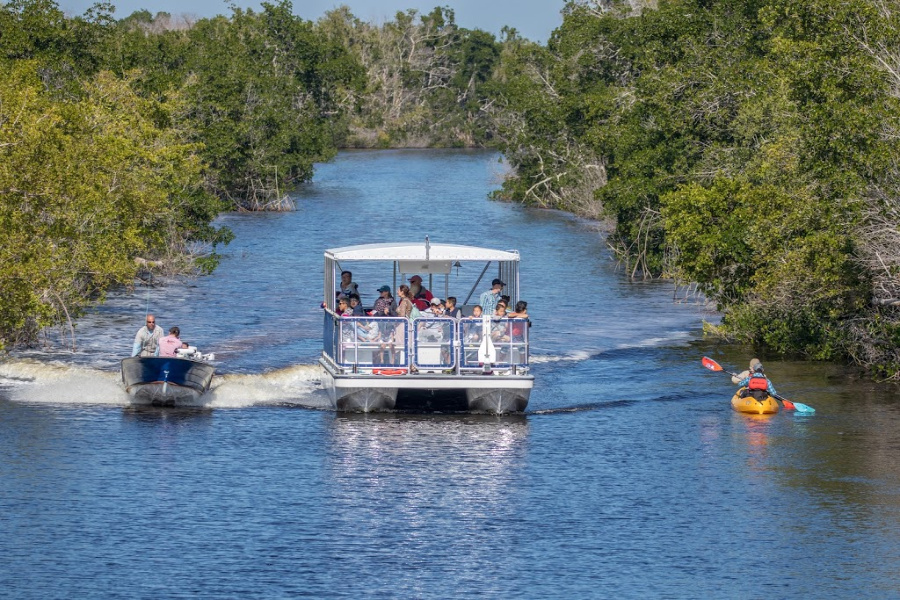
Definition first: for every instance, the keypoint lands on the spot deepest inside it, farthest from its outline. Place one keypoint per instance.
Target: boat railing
(425, 344)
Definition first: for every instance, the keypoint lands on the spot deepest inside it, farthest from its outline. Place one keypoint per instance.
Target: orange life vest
(758, 382)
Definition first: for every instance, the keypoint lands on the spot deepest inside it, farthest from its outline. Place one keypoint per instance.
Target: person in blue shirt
(489, 299)
(756, 382)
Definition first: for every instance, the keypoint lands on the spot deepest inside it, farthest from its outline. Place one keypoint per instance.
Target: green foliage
(748, 146)
(260, 91)
(86, 187)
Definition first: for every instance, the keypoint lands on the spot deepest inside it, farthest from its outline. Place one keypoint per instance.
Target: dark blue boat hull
(165, 381)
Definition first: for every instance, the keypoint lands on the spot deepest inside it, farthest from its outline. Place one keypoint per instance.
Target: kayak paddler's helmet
(756, 366)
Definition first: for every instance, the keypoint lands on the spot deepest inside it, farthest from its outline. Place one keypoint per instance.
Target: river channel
(629, 476)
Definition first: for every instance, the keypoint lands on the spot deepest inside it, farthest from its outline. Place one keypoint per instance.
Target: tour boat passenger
(418, 294)
(356, 306)
(404, 305)
(384, 306)
(490, 298)
(347, 286)
(450, 308)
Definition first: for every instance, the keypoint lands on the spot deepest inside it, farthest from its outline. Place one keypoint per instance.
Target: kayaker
(756, 383)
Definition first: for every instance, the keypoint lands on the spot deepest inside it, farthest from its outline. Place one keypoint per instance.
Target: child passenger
(450, 309)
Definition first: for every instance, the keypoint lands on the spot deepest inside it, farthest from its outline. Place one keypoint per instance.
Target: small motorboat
(746, 403)
(168, 381)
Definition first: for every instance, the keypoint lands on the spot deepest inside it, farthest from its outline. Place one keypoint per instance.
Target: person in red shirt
(420, 296)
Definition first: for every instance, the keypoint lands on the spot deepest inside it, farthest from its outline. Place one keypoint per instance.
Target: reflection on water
(430, 489)
(166, 416)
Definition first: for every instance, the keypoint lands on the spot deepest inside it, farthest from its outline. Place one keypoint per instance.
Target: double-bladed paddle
(789, 405)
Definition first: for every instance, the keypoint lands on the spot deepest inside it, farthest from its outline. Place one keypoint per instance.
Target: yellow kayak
(751, 405)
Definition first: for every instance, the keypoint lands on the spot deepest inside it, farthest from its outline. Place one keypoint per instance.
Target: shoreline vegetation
(745, 148)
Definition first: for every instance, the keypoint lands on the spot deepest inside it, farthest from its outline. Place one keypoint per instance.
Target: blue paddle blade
(804, 408)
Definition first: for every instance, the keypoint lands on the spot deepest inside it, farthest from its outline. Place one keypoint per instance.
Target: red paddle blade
(711, 364)
(788, 405)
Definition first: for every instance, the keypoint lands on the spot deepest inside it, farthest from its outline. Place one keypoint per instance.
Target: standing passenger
(347, 285)
(404, 305)
(490, 298)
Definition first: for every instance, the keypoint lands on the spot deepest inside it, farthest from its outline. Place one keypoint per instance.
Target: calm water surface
(628, 477)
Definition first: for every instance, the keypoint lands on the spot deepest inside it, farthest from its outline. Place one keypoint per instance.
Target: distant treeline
(749, 147)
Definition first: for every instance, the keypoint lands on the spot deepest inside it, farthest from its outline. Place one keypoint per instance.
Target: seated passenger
(384, 306)
(472, 331)
(368, 331)
(169, 344)
(418, 294)
(435, 309)
(518, 328)
(343, 308)
(356, 306)
(450, 309)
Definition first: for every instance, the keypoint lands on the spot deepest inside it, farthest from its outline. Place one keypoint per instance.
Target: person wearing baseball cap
(384, 306)
(437, 307)
(489, 299)
(419, 295)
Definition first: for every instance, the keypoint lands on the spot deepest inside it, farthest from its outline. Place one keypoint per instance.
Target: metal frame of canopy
(424, 258)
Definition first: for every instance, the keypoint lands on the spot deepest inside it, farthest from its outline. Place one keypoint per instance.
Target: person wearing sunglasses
(146, 342)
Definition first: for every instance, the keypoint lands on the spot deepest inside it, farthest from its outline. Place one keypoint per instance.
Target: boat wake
(32, 381)
(297, 385)
(581, 355)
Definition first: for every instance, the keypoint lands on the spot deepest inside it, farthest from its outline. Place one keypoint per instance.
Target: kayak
(751, 405)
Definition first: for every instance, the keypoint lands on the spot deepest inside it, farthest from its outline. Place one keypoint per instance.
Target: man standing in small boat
(146, 342)
(757, 384)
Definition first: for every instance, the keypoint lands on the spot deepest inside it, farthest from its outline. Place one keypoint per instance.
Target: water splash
(31, 381)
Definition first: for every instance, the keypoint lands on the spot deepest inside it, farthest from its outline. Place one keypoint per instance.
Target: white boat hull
(495, 393)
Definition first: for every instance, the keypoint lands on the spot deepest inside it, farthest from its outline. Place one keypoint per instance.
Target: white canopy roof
(416, 251)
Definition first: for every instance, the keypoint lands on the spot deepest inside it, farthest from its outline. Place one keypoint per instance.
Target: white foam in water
(658, 341)
(56, 383)
(294, 385)
(576, 356)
